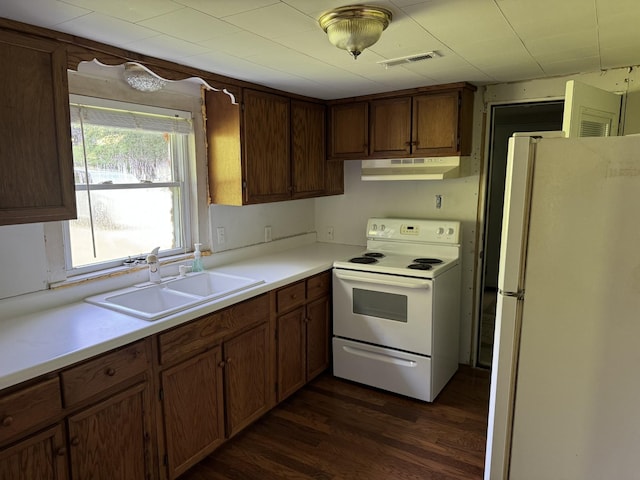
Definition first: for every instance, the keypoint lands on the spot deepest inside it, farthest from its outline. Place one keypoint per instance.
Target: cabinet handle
(61, 452)
(111, 371)
(222, 364)
(75, 441)
(7, 421)
(408, 144)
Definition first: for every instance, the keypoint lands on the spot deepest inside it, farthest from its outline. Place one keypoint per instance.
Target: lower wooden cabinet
(192, 400)
(303, 317)
(213, 376)
(317, 336)
(291, 352)
(247, 377)
(110, 439)
(42, 456)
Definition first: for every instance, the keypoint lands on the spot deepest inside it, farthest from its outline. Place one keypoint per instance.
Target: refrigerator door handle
(519, 294)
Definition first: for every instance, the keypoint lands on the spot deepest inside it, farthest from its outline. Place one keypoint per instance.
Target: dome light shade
(139, 78)
(354, 28)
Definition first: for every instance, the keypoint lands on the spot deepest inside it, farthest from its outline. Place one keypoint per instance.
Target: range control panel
(412, 230)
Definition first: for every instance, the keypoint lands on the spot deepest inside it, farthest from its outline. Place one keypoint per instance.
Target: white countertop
(53, 338)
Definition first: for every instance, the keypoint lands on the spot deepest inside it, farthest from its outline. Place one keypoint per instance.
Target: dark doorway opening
(505, 120)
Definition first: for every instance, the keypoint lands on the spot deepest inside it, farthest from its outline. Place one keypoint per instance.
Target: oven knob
(450, 231)
(382, 227)
(440, 231)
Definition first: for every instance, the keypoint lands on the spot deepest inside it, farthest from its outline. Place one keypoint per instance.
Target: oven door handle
(395, 282)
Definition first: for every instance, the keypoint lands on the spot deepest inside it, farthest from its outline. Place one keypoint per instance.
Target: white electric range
(396, 307)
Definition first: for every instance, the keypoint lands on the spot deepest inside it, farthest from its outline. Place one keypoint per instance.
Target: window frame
(181, 146)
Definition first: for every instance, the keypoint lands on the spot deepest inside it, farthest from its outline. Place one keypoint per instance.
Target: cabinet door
(318, 318)
(247, 377)
(349, 131)
(266, 147)
(335, 178)
(435, 124)
(193, 410)
(291, 352)
(308, 156)
(36, 163)
(41, 457)
(112, 438)
(390, 124)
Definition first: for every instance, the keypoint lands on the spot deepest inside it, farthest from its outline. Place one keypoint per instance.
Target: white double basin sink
(157, 301)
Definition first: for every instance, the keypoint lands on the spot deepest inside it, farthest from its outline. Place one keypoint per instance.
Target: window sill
(120, 271)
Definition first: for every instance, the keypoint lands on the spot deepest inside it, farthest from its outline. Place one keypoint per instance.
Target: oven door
(387, 310)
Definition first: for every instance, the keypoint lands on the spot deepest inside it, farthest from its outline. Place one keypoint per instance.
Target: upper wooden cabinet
(390, 127)
(266, 148)
(36, 163)
(248, 147)
(267, 161)
(349, 130)
(436, 127)
(308, 153)
(429, 122)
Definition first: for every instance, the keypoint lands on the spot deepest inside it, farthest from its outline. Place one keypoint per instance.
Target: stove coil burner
(424, 263)
(420, 266)
(428, 261)
(363, 260)
(374, 254)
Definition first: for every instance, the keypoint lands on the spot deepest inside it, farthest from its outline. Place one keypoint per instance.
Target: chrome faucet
(154, 266)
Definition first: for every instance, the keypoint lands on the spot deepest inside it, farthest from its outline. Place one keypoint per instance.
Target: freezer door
(504, 365)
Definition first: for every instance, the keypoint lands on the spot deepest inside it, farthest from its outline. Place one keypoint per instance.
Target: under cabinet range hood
(432, 168)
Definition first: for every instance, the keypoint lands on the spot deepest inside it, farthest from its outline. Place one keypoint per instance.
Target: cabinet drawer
(189, 339)
(291, 296)
(194, 337)
(29, 407)
(90, 378)
(318, 285)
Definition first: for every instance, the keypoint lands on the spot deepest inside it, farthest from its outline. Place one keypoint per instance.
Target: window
(130, 168)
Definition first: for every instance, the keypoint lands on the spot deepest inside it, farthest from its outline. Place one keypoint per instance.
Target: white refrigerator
(565, 384)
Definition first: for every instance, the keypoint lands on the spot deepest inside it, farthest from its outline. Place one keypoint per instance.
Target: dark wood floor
(334, 429)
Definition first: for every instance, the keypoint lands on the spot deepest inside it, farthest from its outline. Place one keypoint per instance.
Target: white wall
(244, 226)
(23, 263)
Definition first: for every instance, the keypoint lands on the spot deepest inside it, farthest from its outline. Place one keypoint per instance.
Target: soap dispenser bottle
(197, 259)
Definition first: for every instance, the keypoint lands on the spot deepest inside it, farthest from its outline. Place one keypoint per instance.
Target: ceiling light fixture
(354, 28)
(139, 78)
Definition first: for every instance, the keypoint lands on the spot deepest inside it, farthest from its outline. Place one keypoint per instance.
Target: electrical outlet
(329, 233)
(267, 234)
(221, 235)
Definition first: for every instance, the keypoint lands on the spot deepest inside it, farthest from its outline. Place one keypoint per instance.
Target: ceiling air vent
(410, 59)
